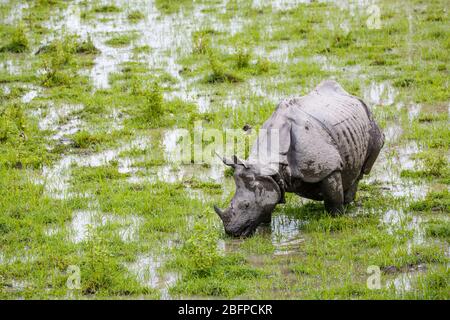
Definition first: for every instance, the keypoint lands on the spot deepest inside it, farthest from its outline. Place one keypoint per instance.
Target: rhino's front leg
(333, 193)
(267, 218)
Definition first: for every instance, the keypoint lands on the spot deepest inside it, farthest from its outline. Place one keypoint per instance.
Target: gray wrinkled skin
(328, 140)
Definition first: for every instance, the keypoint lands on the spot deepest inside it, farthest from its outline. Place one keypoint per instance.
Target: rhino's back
(344, 118)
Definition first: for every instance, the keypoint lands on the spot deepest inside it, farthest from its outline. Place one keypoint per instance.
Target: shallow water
(146, 270)
(380, 93)
(403, 283)
(391, 161)
(56, 178)
(84, 219)
(16, 12)
(285, 234)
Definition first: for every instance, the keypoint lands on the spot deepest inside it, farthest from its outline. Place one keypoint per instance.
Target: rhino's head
(257, 194)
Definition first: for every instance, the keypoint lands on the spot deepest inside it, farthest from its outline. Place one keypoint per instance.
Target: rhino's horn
(219, 212)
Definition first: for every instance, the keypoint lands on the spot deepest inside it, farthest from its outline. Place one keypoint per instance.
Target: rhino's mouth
(233, 225)
(248, 231)
(243, 231)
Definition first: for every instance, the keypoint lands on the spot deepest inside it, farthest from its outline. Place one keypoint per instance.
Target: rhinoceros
(325, 142)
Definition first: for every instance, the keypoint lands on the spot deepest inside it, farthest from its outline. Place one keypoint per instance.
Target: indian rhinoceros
(325, 141)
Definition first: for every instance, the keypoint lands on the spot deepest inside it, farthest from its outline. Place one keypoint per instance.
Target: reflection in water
(146, 269)
(84, 219)
(413, 111)
(398, 220)
(168, 35)
(382, 93)
(57, 177)
(402, 283)
(391, 161)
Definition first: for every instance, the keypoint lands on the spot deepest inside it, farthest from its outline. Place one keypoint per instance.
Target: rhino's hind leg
(333, 193)
(350, 193)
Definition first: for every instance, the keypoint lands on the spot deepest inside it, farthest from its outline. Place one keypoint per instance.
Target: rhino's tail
(376, 142)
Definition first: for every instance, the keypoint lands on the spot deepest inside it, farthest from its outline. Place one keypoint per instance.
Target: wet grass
(121, 40)
(237, 65)
(19, 41)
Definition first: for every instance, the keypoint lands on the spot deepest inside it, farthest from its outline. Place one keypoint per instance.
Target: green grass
(434, 201)
(121, 40)
(19, 42)
(107, 8)
(135, 16)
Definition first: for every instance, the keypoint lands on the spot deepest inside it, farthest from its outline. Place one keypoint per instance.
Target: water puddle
(12, 67)
(17, 285)
(129, 232)
(117, 118)
(413, 111)
(25, 257)
(15, 14)
(57, 178)
(30, 95)
(51, 231)
(168, 35)
(60, 119)
(84, 219)
(388, 167)
(398, 220)
(380, 93)
(285, 234)
(146, 269)
(392, 133)
(402, 283)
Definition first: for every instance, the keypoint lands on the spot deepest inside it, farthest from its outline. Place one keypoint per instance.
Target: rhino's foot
(334, 210)
(267, 219)
(333, 194)
(350, 194)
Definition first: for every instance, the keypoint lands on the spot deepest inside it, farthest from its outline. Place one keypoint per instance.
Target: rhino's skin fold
(328, 140)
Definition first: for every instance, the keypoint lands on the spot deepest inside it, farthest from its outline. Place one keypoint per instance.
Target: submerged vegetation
(93, 103)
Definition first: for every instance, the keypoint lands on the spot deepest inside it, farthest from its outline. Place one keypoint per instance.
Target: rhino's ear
(226, 161)
(285, 138)
(233, 162)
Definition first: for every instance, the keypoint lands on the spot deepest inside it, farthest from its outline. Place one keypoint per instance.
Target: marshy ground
(93, 95)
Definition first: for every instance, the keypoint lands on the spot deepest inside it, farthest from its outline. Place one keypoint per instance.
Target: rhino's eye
(244, 205)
